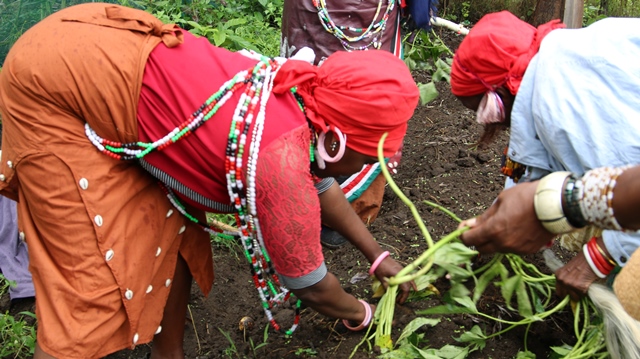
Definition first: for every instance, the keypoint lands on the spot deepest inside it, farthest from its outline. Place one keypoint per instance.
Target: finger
(404, 293)
(471, 222)
(476, 236)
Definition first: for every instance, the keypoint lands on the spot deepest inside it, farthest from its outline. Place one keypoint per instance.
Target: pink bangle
(377, 262)
(365, 322)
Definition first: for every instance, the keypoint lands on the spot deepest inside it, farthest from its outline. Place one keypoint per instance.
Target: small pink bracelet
(377, 262)
(365, 322)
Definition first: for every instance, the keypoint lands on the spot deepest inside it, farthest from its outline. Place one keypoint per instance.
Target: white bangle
(547, 203)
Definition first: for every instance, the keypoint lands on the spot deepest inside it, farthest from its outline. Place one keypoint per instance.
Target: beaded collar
(375, 28)
(256, 84)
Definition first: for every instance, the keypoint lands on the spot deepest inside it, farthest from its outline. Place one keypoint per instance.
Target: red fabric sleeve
(288, 205)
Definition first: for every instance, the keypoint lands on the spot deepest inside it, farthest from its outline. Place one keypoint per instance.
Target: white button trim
(158, 330)
(169, 213)
(109, 255)
(2, 178)
(84, 183)
(135, 338)
(158, 251)
(128, 294)
(98, 220)
(9, 164)
(22, 236)
(167, 283)
(182, 229)
(149, 289)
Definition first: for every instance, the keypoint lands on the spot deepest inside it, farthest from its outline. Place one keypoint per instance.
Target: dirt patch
(441, 164)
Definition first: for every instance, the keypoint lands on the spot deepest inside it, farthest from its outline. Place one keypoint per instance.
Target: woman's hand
(575, 278)
(389, 268)
(510, 225)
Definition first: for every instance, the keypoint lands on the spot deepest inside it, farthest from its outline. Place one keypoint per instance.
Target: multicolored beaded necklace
(375, 28)
(250, 111)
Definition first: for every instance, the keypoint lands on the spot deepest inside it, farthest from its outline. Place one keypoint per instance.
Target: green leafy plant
(527, 293)
(17, 338)
(426, 52)
(232, 24)
(307, 352)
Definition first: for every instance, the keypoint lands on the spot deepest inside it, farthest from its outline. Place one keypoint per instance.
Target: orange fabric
(496, 52)
(363, 93)
(102, 264)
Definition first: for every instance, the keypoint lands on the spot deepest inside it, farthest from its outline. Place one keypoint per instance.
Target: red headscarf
(363, 93)
(496, 52)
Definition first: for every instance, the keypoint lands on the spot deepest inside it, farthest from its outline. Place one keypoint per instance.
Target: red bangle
(601, 251)
(365, 322)
(600, 256)
(597, 258)
(377, 262)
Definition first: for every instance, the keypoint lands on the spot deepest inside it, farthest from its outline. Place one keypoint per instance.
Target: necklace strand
(256, 84)
(374, 30)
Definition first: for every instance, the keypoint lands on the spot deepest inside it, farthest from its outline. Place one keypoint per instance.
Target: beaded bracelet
(365, 322)
(595, 205)
(377, 262)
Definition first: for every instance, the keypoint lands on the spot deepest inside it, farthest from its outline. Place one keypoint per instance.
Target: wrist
(368, 315)
(377, 262)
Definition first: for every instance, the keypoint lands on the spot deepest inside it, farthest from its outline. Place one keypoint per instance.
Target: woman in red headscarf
(569, 98)
(93, 124)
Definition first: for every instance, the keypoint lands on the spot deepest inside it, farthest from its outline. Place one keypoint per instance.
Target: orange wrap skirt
(103, 239)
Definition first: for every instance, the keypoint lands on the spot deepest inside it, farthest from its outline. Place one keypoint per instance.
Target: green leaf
(563, 350)
(483, 282)
(458, 290)
(415, 325)
(219, 37)
(525, 355)
(428, 92)
(508, 287)
(425, 280)
(475, 336)
(454, 253)
(446, 309)
(235, 22)
(467, 303)
(524, 304)
(456, 272)
(452, 352)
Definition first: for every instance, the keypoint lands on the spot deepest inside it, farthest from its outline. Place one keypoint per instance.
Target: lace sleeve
(288, 205)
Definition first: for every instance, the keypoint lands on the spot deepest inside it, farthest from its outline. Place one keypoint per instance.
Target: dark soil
(441, 164)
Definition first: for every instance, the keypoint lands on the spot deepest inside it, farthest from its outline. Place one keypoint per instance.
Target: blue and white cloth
(578, 107)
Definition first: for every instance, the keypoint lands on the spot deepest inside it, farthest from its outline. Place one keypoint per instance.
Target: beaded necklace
(249, 112)
(375, 28)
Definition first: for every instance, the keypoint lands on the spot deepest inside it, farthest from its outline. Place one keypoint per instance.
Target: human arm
(329, 298)
(511, 223)
(338, 214)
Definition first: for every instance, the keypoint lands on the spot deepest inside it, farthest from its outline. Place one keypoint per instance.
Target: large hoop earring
(322, 151)
(319, 160)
